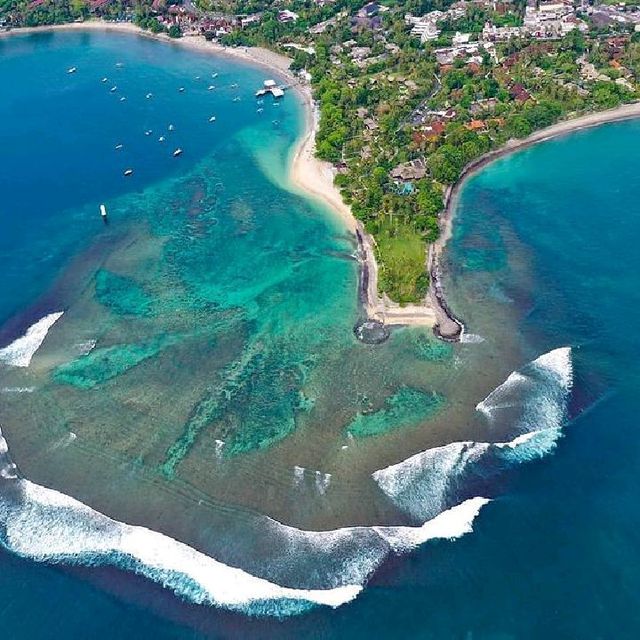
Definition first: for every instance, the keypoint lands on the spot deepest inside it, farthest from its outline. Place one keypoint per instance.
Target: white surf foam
(84, 348)
(502, 397)
(448, 525)
(421, 485)
(18, 389)
(350, 555)
(539, 390)
(20, 351)
(536, 396)
(471, 338)
(298, 474)
(322, 482)
(558, 363)
(46, 525)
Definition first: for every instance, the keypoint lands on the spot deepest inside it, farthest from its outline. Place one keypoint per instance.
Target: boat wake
(20, 351)
(532, 402)
(297, 570)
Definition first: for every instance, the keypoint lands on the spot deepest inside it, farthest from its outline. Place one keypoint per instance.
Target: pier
(270, 86)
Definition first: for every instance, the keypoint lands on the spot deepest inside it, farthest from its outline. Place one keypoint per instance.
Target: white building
(491, 33)
(425, 27)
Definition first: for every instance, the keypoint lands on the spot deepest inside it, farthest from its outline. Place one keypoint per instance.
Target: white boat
(259, 110)
(119, 146)
(149, 95)
(214, 75)
(236, 99)
(114, 88)
(171, 127)
(128, 172)
(122, 99)
(148, 132)
(103, 211)
(104, 79)
(119, 64)
(210, 87)
(212, 119)
(181, 89)
(71, 70)
(161, 139)
(177, 153)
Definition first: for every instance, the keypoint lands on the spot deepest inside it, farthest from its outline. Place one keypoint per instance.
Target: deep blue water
(546, 238)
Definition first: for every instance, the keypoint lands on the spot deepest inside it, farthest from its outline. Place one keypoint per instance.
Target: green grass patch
(401, 254)
(406, 408)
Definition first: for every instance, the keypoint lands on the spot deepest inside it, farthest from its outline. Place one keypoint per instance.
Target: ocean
(190, 369)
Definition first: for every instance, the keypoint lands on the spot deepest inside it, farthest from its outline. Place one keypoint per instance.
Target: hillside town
(409, 93)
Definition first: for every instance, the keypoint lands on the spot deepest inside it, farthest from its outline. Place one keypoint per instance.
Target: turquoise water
(204, 379)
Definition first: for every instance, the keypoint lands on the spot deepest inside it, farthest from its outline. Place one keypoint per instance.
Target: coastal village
(409, 93)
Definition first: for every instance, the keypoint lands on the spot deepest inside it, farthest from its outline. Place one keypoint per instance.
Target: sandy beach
(253, 55)
(314, 177)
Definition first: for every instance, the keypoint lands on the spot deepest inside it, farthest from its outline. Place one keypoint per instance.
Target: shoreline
(450, 322)
(307, 174)
(315, 178)
(259, 56)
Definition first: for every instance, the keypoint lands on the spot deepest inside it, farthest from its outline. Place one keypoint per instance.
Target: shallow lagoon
(207, 336)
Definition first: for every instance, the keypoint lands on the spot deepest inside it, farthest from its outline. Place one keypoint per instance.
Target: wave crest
(48, 526)
(20, 352)
(532, 400)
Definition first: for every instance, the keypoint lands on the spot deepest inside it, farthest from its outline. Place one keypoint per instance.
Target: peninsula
(403, 102)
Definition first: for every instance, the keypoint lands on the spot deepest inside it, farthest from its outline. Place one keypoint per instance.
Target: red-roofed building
(96, 4)
(519, 93)
(474, 67)
(429, 133)
(476, 125)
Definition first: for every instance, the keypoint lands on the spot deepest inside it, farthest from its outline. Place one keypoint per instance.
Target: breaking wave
(48, 526)
(471, 338)
(437, 488)
(350, 555)
(20, 351)
(531, 401)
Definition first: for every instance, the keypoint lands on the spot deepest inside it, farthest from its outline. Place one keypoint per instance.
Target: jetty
(270, 86)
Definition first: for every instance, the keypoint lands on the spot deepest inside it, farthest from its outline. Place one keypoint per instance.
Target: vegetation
(400, 119)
